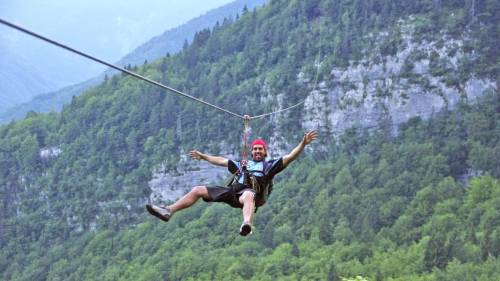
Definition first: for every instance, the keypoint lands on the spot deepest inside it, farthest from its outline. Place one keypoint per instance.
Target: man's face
(258, 152)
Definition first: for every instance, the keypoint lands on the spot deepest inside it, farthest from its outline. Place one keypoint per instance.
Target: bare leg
(190, 198)
(247, 199)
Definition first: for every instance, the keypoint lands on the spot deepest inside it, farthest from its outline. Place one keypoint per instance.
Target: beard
(258, 156)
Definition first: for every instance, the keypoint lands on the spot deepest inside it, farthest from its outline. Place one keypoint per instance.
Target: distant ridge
(171, 41)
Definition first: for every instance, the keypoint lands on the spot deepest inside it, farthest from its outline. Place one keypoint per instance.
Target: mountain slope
(376, 204)
(238, 66)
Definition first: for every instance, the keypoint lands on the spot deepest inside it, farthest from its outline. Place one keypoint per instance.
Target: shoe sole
(245, 230)
(156, 214)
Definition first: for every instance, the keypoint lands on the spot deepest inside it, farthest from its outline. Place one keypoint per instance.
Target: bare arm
(216, 160)
(308, 138)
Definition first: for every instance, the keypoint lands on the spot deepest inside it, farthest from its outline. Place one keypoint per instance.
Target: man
(249, 189)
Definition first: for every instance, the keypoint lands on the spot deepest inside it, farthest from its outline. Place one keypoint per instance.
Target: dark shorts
(230, 195)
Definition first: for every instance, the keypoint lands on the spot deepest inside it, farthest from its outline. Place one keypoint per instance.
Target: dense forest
(418, 204)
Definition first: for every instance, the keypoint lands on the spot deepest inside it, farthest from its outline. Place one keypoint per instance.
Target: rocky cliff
(419, 80)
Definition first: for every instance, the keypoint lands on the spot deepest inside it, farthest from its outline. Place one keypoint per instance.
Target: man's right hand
(195, 154)
(216, 160)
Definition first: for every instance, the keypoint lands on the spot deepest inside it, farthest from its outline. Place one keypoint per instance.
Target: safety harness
(262, 185)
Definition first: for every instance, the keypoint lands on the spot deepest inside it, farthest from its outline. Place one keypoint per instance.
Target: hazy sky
(106, 28)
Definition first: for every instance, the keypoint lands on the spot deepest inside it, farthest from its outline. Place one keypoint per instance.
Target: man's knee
(247, 197)
(200, 191)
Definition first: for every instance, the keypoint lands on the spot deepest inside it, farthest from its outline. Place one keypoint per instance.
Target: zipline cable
(175, 91)
(36, 35)
(116, 67)
(297, 104)
(277, 111)
(290, 107)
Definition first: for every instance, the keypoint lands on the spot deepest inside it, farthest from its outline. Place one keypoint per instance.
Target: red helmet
(261, 142)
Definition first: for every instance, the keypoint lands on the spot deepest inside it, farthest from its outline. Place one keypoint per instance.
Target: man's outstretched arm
(216, 160)
(308, 138)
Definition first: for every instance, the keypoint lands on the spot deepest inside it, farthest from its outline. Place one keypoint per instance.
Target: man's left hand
(309, 137)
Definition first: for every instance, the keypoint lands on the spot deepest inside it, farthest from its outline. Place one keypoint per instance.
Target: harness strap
(246, 131)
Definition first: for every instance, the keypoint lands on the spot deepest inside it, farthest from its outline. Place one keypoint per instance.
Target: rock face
(48, 153)
(170, 185)
(419, 79)
(173, 184)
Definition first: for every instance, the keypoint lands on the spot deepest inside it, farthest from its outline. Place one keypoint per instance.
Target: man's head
(259, 150)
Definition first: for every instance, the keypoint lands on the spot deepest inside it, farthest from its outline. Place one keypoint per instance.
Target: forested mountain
(414, 198)
(171, 41)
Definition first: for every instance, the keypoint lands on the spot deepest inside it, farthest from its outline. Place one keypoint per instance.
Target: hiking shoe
(163, 213)
(245, 229)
